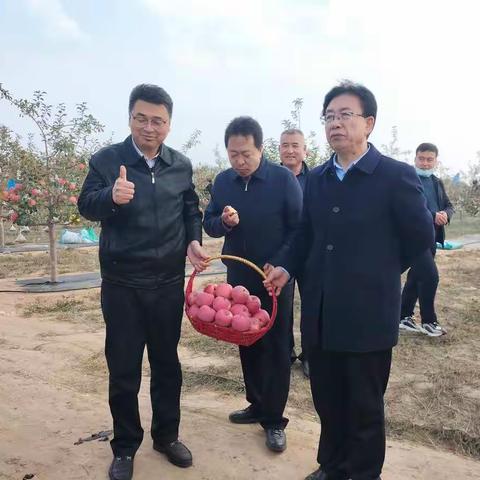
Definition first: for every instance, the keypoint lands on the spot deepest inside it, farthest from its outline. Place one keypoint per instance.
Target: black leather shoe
(247, 415)
(121, 468)
(276, 439)
(306, 368)
(176, 452)
(293, 356)
(321, 475)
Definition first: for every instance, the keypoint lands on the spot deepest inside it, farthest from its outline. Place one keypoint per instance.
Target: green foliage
(48, 177)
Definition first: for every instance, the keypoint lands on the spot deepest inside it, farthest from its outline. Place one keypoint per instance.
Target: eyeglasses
(343, 116)
(156, 122)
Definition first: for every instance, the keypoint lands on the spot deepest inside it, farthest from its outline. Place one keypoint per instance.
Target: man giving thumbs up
(150, 222)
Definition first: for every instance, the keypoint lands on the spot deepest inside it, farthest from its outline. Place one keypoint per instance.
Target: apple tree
(41, 181)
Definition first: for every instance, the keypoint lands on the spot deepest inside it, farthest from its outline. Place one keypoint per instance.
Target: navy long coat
(356, 238)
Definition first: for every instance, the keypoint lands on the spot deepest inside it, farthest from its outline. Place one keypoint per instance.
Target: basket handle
(239, 259)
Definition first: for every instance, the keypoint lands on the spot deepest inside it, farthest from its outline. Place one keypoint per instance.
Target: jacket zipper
(244, 239)
(152, 173)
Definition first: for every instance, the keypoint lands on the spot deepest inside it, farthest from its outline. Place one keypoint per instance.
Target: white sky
(220, 59)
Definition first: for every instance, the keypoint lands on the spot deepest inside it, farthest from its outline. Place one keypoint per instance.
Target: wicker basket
(228, 334)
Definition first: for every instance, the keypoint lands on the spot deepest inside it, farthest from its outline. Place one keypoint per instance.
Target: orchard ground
(54, 389)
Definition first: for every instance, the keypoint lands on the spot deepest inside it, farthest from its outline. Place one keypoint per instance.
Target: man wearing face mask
(256, 206)
(422, 278)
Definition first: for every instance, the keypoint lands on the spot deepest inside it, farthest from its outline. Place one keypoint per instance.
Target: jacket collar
(133, 156)
(260, 172)
(303, 171)
(366, 164)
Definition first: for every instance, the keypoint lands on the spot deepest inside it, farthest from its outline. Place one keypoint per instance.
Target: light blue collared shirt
(150, 163)
(339, 169)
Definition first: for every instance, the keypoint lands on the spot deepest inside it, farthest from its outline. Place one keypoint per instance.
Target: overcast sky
(220, 59)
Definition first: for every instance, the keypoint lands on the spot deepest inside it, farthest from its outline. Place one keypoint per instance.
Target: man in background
(292, 155)
(422, 278)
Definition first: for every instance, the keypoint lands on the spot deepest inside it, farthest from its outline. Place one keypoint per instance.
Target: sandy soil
(49, 397)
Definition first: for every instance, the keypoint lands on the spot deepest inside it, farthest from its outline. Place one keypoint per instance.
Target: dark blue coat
(269, 208)
(444, 204)
(356, 238)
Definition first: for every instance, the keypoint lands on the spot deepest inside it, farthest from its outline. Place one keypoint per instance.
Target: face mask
(424, 173)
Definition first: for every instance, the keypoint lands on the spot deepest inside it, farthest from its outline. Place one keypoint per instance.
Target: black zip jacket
(143, 243)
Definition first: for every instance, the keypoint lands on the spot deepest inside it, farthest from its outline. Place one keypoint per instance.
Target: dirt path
(49, 397)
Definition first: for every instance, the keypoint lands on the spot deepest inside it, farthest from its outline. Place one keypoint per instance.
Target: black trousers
(348, 390)
(136, 318)
(422, 282)
(302, 354)
(266, 365)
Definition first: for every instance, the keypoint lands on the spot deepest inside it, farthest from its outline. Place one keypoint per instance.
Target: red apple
(32, 202)
(223, 318)
(223, 290)
(240, 294)
(253, 304)
(193, 312)
(255, 325)
(206, 314)
(35, 192)
(204, 298)
(221, 303)
(72, 200)
(61, 181)
(72, 186)
(210, 288)
(13, 217)
(240, 323)
(262, 316)
(240, 309)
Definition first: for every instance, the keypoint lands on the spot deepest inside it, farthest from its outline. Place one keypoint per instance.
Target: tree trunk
(53, 253)
(2, 233)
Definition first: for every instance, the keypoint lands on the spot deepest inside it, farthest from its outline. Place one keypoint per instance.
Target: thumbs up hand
(123, 190)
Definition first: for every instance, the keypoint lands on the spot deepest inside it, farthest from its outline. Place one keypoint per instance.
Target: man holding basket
(256, 206)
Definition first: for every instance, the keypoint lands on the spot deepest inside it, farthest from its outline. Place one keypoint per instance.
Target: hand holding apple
(230, 217)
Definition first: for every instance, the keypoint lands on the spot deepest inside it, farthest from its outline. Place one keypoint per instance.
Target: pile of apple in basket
(227, 306)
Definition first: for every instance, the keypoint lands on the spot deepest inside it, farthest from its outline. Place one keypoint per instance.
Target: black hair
(366, 97)
(151, 94)
(245, 126)
(427, 147)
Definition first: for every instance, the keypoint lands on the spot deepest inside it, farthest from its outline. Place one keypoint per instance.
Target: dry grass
(78, 308)
(18, 265)
(434, 392)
